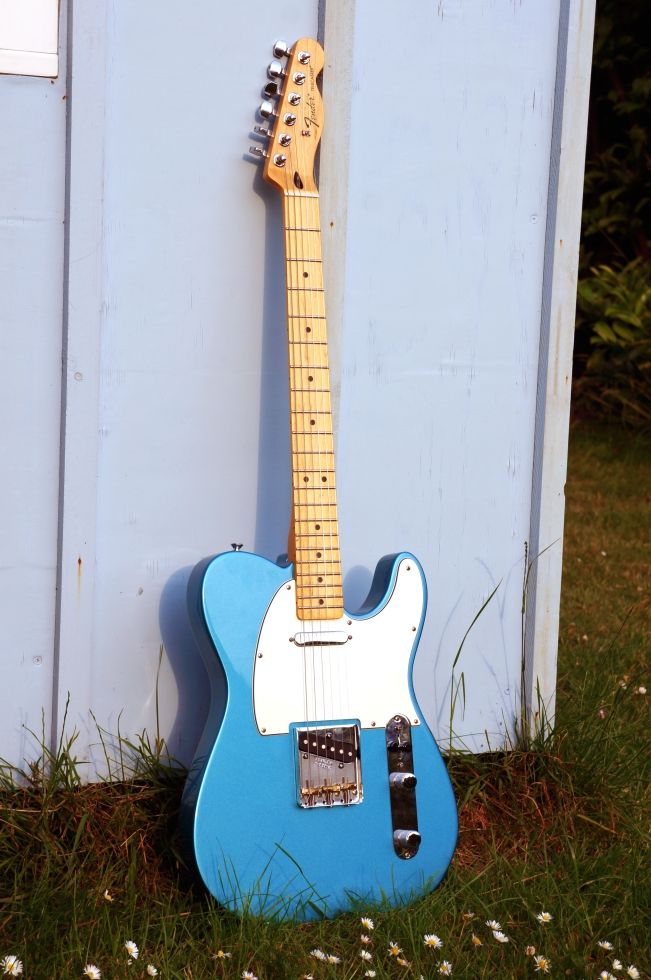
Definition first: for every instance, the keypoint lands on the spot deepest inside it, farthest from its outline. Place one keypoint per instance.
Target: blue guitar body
(258, 850)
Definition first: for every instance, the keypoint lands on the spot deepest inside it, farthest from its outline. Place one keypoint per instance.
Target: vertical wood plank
(576, 32)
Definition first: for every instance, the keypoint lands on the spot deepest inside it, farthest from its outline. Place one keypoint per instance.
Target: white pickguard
(365, 677)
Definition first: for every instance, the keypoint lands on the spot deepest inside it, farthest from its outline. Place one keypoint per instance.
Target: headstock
(296, 119)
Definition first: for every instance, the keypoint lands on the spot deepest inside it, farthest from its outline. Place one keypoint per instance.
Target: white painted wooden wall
(141, 249)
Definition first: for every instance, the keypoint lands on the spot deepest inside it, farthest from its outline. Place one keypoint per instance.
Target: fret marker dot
(310, 377)
(317, 527)
(318, 554)
(306, 479)
(319, 578)
(312, 422)
(324, 479)
(320, 602)
(308, 330)
(305, 275)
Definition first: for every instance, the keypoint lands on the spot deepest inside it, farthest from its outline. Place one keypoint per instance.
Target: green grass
(560, 827)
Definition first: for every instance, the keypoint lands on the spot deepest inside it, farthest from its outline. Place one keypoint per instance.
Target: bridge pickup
(321, 638)
(328, 765)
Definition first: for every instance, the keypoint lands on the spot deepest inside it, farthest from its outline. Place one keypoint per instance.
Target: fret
(307, 316)
(310, 520)
(297, 228)
(289, 259)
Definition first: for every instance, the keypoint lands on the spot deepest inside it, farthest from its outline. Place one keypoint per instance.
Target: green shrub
(614, 315)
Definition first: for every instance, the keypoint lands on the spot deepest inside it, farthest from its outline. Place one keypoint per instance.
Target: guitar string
(297, 316)
(298, 440)
(303, 218)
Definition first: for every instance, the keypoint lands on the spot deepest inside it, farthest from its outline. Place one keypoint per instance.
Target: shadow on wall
(185, 660)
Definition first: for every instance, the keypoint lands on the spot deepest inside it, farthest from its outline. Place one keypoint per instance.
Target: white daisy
(618, 965)
(604, 944)
(367, 923)
(432, 941)
(333, 959)
(493, 924)
(221, 955)
(92, 972)
(445, 969)
(370, 973)
(542, 964)
(544, 917)
(632, 971)
(11, 965)
(365, 940)
(318, 954)
(467, 916)
(107, 895)
(605, 975)
(394, 949)
(529, 950)
(247, 975)
(499, 936)
(131, 949)
(476, 941)
(364, 953)
(151, 970)
(401, 961)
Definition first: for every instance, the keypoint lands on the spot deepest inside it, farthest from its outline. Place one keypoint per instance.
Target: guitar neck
(314, 540)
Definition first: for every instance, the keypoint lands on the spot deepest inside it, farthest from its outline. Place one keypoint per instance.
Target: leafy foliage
(614, 305)
(613, 333)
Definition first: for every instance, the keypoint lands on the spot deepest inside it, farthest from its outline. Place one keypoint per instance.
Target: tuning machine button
(270, 91)
(257, 151)
(275, 70)
(281, 49)
(262, 132)
(266, 109)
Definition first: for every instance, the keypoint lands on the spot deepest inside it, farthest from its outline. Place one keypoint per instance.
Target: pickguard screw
(416, 721)
(372, 724)
(263, 730)
(259, 656)
(349, 622)
(288, 586)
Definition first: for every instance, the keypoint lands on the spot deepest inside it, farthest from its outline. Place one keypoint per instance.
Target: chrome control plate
(328, 764)
(402, 787)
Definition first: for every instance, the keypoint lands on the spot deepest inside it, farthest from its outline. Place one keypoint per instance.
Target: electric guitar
(317, 784)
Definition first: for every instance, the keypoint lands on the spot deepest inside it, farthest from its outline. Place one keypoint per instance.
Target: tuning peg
(270, 91)
(261, 132)
(266, 110)
(275, 70)
(281, 49)
(257, 151)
